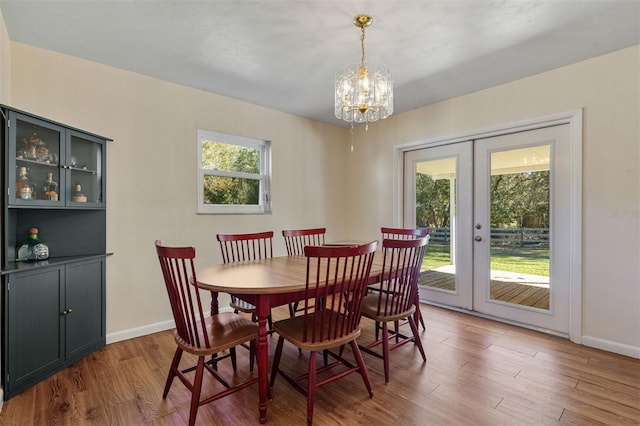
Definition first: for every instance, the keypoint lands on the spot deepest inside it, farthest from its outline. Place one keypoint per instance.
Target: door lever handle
(478, 238)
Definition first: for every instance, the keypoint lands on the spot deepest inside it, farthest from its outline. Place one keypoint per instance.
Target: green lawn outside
(533, 261)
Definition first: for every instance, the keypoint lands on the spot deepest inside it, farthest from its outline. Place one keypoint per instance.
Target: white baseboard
(132, 333)
(610, 346)
(139, 331)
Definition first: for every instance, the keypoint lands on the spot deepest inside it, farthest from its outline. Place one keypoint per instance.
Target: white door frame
(574, 120)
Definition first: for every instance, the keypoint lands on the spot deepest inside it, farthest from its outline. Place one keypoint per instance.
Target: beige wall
(152, 162)
(152, 176)
(608, 88)
(5, 64)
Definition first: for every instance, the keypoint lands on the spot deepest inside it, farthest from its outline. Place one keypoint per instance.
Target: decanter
(23, 185)
(32, 248)
(50, 188)
(78, 196)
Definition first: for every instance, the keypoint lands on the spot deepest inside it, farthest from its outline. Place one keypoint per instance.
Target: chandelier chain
(362, 45)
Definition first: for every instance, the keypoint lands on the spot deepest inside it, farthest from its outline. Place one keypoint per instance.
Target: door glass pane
(435, 209)
(519, 196)
(37, 156)
(85, 164)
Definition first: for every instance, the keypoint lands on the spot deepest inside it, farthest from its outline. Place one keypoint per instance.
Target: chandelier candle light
(364, 92)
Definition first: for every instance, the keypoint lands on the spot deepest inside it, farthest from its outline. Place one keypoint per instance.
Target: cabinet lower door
(85, 327)
(34, 341)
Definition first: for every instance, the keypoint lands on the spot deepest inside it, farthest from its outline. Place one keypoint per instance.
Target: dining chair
(240, 248)
(296, 240)
(396, 297)
(199, 335)
(336, 283)
(404, 233)
(407, 234)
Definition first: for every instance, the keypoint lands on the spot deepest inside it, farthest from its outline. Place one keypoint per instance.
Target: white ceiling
(283, 54)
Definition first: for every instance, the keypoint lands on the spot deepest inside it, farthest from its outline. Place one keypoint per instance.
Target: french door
(498, 212)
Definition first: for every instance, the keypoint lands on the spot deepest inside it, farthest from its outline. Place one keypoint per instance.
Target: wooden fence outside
(517, 237)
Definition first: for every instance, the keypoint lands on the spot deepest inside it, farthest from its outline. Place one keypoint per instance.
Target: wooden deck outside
(521, 293)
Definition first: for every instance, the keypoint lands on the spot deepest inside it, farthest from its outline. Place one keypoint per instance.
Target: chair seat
(292, 330)
(226, 330)
(242, 306)
(370, 310)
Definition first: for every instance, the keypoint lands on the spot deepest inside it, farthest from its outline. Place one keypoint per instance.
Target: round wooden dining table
(265, 283)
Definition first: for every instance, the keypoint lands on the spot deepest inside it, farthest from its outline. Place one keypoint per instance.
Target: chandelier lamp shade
(364, 91)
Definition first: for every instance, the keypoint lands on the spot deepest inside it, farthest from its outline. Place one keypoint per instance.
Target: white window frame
(264, 176)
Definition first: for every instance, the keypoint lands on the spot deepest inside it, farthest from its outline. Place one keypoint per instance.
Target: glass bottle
(24, 189)
(50, 188)
(32, 248)
(78, 196)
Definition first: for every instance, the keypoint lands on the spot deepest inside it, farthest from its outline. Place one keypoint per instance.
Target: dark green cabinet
(85, 305)
(56, 316)
(33, 341)
(53, 310)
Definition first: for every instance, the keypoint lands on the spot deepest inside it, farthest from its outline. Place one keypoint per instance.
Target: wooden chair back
(399, 285)
(404, 234)
(241, 247)
(297, 239)
(180, 277)
(336, 283)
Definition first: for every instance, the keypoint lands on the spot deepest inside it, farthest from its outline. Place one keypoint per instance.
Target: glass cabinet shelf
(44, 152)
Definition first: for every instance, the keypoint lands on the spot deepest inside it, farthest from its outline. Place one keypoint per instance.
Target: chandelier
(364, 92)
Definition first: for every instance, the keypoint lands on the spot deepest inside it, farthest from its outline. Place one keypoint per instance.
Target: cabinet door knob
(66, 311)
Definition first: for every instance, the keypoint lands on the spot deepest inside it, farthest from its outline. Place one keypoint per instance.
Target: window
(233, 173)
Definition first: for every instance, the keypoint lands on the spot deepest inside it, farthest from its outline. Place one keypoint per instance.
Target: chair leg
(418, 314)
(234, 362)
(363, 369)
(293, 307)
(311, 387)
(416, 337)
(172, 371)
(276, 361)
(252, 354)
(385, 349)
(195, 392)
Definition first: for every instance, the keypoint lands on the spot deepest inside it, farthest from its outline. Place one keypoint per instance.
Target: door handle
(478, 238)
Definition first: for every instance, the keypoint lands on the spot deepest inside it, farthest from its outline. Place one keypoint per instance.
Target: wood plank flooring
(478, 372)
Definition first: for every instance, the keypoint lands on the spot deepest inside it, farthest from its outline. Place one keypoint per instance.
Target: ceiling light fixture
(364, 92)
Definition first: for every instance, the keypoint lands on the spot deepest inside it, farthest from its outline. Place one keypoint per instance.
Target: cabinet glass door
(36, 148)
(85, 166)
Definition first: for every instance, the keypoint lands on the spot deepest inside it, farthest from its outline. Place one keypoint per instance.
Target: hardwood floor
(478, 372)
